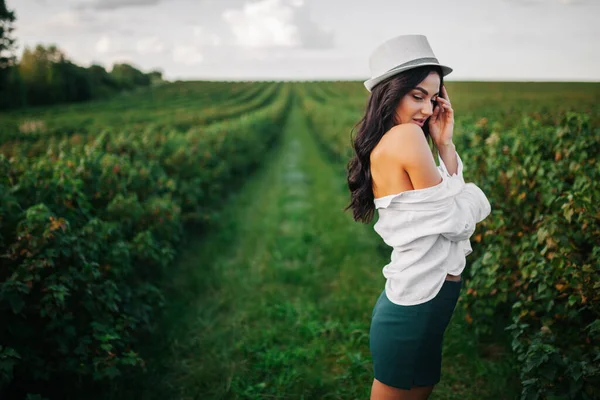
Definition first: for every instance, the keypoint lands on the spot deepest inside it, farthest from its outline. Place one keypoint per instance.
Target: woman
(426, 213)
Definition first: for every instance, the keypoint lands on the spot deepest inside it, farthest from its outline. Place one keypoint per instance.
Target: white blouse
(429, 231)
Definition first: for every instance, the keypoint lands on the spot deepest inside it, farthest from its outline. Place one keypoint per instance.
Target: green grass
(275, 300)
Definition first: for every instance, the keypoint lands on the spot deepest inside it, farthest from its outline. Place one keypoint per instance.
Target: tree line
(45, 76)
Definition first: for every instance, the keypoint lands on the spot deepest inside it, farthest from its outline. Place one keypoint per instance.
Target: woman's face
(418, 103)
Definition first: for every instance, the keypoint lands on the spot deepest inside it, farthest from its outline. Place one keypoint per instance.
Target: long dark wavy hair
(379, 117)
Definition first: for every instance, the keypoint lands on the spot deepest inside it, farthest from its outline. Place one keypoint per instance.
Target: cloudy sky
(318, 39)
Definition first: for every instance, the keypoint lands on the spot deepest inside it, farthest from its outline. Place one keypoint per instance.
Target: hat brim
(370, 83)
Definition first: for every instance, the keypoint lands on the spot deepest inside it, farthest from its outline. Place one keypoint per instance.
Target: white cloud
(203, 38)
(276, 23)
(150, 45)
(113, 4)
(62, 22)
(66, 19)
(187, 54)
(107, 45)
(103, 45)
(74, 22)
(312, 35)
(263, 24)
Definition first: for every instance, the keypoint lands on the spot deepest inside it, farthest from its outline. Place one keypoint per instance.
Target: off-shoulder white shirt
(429, 231)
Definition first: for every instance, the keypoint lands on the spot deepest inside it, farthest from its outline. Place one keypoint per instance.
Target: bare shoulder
(406, 144)
(406, 147)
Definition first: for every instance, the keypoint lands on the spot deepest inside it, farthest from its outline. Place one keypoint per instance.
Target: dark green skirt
(406, 341)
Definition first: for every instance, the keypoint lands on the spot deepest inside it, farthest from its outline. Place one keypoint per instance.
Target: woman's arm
(448, 155)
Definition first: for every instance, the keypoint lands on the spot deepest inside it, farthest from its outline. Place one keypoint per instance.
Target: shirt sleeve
(444, 170)
(472, 206)
(469, 207)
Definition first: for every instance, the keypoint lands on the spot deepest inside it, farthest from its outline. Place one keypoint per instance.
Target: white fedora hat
(399, 54)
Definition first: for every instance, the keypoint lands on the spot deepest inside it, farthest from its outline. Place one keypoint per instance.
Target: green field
(188, 241)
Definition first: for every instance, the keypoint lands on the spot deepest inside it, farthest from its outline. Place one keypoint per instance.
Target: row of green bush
(86, 233)
(166, 108)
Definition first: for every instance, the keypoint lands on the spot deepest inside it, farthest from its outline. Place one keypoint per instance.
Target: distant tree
(155, 76)
(51, 78)
(7, 42)
(128, 76)
(41, 77)
(103, 83)
(77, 83)
(45, 76)
(11, 90)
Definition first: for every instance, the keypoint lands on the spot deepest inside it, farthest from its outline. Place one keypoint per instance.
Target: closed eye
(420, 98)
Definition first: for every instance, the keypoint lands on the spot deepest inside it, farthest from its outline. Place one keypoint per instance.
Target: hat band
(416, 61)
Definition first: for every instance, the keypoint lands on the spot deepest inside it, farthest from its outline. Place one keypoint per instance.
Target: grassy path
(275, 302)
